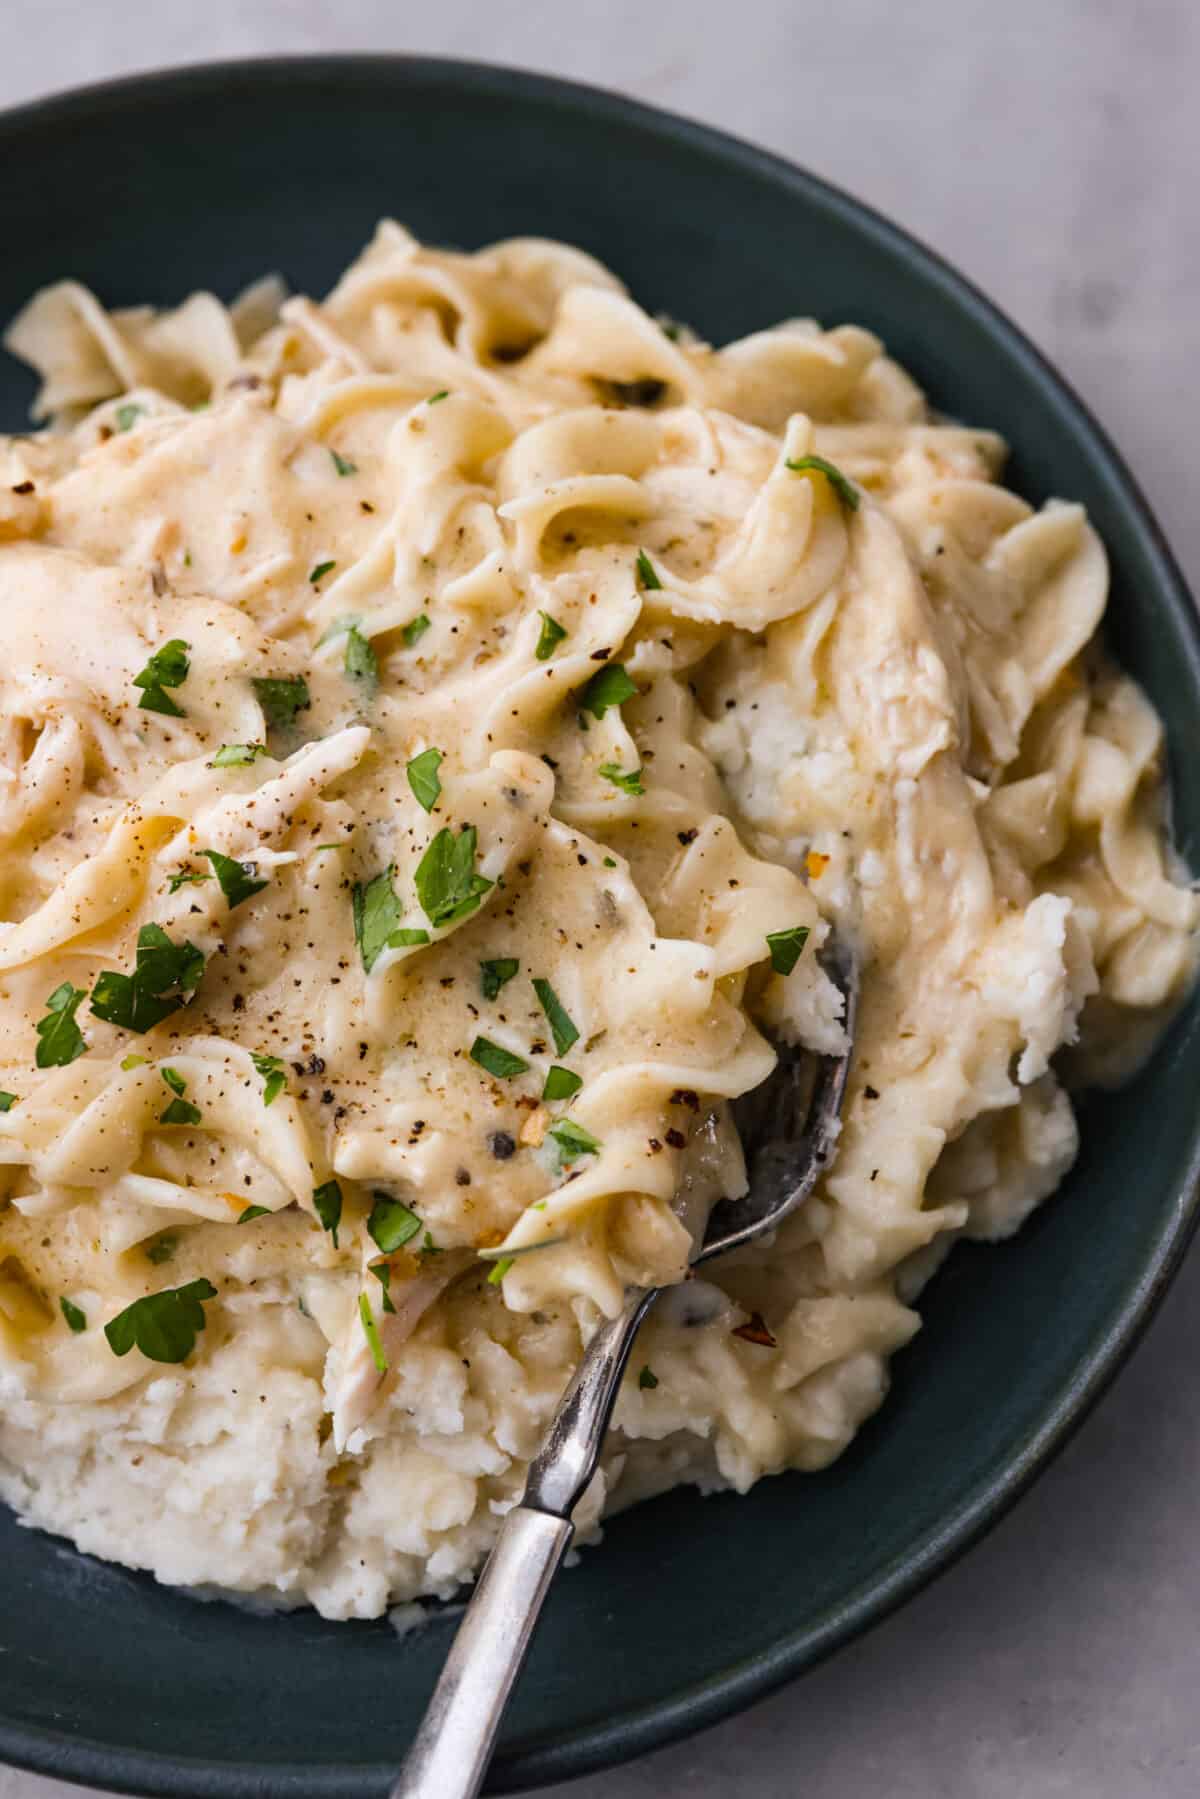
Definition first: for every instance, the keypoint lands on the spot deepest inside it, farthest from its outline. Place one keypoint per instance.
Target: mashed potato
(440, 727)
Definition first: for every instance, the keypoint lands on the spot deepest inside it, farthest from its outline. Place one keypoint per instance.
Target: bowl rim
(706, 1702)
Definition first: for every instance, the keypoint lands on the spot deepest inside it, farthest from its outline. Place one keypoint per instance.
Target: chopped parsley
(377, 912)
(180, 1110)
(406, 938)
(549, 637)
(429, 1247)
(442, 394)
(785, 947)
(391, 1225)
(845, 489)
(422, 774)
(327, 1203)
(647, 1378)
(493, 975)
(573, 1141)
(274, 1078)
(236, 878)
(162, 1248)
(281, 697)
(647, 573)
(343, 464)
(128, 415)
(320, 571)
(563, 1028)
(414, 630)
(383, 1274)
(609, 686)
(609, 862)
(628, 781)
(496, 1060)
(371, 1333)
(499, 1271)
(60, 1039)
(128, 1062)
(7, 1101)
(186, 877)
(167, 667)
(163, 1325)
(254, 1212)
(76, 1319)
(361, 664)
(165, 975)
(448, 885)
(561, 1083)
(236, 755)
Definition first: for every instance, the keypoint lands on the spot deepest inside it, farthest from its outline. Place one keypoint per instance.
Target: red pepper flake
(756, 1332)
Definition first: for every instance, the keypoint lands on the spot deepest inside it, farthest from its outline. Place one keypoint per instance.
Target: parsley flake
(281, 698)
(573, 1141)
(163, 1325)
(423, 778)
(186, 877)
(383, 1274)
(628, 781)
(785, 947)
(448, 885)
(647, 1378)
(499, 1271)
(844, 488)
(442, 394)
(165, 974)
(76, 1319)
(549, 637)
(253, 1212)
(610, 686)
(7, 1101)
(647, 573)
(493, 975)
(127, 416)
(274, 1078)
(361, 664)
(343, 464)
(236, 878)
(564, 1029)
(320, 571)
(496, 1060)
(60, 1039)
(237, 755)
(391, 1225)
(406, 938)
(180, 1110)
(162, 1248)
(561, 1083)
(167, 667)
(327, 1202)
(414, 630)
(371, 1333)
(377, 912)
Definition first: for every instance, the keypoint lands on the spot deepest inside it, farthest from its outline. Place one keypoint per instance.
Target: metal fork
(789, 1126)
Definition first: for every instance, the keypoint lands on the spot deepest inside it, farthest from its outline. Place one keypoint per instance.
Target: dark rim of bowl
(634, 1732)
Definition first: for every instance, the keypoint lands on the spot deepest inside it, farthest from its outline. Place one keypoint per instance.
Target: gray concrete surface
(1050, 148)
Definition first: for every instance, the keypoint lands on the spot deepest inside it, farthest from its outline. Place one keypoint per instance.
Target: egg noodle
(440, 726)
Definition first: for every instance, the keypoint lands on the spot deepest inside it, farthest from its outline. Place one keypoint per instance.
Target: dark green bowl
(148, 188)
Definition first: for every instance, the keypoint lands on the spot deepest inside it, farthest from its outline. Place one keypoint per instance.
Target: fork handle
(450, 1753)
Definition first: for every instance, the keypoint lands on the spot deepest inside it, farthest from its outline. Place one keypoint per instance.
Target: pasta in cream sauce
(439, 727)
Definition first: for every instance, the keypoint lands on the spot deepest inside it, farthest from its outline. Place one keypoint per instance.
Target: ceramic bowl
(148, 188)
